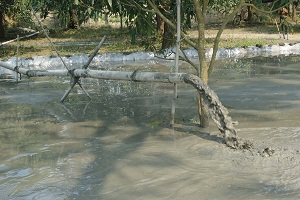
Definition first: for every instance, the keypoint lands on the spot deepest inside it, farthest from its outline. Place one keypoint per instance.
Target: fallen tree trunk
(217, 111)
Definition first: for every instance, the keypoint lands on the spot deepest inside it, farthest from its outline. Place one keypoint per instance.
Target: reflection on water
(119, 145)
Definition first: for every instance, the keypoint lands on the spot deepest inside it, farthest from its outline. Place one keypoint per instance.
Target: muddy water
(120, 146)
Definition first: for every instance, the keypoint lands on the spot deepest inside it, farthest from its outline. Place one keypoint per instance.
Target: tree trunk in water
(73, 24)
(203, 112)
(2, 31)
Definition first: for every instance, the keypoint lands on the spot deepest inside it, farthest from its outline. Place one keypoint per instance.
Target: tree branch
(186, 59)
(218, 36)
(264, 11)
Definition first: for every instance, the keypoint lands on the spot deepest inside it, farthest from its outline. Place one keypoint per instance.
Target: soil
(265, 32)
(243, 35)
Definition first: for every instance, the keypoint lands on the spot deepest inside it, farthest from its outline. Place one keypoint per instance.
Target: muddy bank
(104, 60)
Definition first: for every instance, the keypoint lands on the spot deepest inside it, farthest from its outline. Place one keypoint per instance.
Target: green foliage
(15, 9)
(223, 6)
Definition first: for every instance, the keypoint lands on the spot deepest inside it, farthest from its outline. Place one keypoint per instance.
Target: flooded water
(119, 145)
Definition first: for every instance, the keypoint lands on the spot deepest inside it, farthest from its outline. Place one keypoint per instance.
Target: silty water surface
(120, 145)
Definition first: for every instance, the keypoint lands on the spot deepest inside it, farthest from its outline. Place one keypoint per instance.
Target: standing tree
(200, 10)
(204, 68)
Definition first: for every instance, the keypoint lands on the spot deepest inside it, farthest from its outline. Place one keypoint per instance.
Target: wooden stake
(277, 27)
(75, 80)
(178, 38)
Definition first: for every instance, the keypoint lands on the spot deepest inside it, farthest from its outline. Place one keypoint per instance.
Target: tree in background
(15, 10)
(5, 7)
(65, 10)
(2, 12)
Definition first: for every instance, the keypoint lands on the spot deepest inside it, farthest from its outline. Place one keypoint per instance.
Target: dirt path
(255, 32)
(241, 33)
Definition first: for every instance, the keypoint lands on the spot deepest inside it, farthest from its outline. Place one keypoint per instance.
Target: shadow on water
(126, 124)
(94, 136)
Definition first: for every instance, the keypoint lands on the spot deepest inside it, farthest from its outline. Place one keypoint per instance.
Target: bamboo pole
(75, 80)
(217, 111)
(178, 3)
(277, 27)
(92, 55)
(17, 60)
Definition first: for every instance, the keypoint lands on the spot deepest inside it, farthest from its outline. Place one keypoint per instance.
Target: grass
(119, 40)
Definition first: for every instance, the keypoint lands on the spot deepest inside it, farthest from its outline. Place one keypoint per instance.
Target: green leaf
(76, 2)
(89, 10)
(110, 3)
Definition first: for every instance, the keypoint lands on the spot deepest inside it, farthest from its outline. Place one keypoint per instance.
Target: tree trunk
(2, 30)
(203, 66)
(168, 37)
(250, 14)
(73, 23)
(159, 28)
(203, 111)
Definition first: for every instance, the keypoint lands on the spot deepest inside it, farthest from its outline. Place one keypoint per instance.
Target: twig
(26, 36)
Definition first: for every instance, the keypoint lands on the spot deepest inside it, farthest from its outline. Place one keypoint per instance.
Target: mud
(120, 145)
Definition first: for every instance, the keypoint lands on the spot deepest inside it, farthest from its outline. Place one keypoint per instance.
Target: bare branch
(265, 11)
(48, 38)
(137, 6)
(186, 59)
(218, 36)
